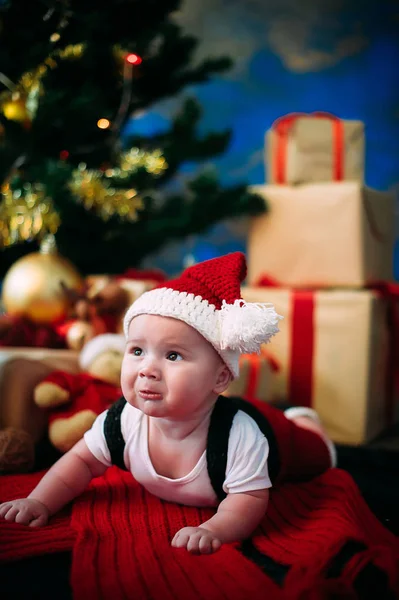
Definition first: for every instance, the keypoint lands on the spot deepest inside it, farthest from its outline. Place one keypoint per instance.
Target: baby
(183, 344)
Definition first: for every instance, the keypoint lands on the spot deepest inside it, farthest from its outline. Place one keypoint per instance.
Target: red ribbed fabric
(132, 558)
(122, 546)
(19, 541)
(306, 526)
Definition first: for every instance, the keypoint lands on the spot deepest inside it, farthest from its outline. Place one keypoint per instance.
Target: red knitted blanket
(320, 538)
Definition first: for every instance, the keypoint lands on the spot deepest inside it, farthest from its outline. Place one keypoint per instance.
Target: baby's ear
(223, 379)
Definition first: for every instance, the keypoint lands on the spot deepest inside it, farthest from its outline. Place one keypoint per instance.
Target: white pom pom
(245, 326)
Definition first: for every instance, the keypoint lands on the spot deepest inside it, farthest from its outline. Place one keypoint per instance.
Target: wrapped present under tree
(336, 353)
(255, 381)
(305, 148)
(323, 235)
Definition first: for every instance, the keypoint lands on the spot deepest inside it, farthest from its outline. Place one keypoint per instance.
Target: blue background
(341, 57)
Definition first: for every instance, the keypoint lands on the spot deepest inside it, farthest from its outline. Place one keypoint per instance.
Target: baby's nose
(149, 370)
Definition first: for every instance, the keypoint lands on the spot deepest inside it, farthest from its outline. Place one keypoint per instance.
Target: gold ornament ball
(15, 110)
(32, 288)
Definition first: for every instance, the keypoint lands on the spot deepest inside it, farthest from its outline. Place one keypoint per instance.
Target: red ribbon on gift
(300, 383)
(390, 292)
(281, 128)
(302, 349)
(254, 372)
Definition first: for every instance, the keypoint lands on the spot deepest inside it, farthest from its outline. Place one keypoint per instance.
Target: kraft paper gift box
(21, 369)
(255, 381)
(322, 235)
(334, 354)
(317, 147)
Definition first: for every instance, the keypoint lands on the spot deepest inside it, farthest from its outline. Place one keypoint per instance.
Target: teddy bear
(73, 401)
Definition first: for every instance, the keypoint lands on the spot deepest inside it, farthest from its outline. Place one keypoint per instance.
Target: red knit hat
(207, 296)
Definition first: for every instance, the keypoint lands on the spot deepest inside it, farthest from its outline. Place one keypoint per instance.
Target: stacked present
(257, 373)
(323, 256)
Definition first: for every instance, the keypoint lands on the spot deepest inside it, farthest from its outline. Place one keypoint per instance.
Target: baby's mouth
(150, 395)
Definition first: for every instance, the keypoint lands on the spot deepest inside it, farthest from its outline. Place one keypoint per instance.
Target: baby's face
(169, 370)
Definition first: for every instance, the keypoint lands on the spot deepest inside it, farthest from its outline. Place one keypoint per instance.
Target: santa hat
(207, 296)
(98, 345)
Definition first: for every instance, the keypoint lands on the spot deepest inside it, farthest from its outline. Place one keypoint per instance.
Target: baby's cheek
(126, 386)
(191, 382)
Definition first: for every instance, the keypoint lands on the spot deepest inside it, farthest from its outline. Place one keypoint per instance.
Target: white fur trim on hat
(98, 345)
(236, 328)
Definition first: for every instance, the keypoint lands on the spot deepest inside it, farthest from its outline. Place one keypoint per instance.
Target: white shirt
(246, 469)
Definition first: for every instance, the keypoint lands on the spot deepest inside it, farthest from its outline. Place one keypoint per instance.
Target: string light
(103, 123)
(64, 154)
(134, 59)
(29, 85)
(63, 21)
(130, 60)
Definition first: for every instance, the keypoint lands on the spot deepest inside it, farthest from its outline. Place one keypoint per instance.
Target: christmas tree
(72, 74)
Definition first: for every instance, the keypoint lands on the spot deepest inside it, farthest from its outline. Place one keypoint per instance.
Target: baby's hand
(26, 511)
(196, 540)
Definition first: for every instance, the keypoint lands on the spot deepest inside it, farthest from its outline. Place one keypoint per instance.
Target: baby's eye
(173, 356)
(136, 351)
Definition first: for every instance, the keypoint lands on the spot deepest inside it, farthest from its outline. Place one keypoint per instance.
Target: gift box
(255, 381)
(335, 351)
(318, 147)
(322, 235)
(17, 408)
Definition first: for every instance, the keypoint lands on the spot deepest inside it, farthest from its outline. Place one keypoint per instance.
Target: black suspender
(273, 461)
(218, 440)
(113, 433)
(217, 443)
